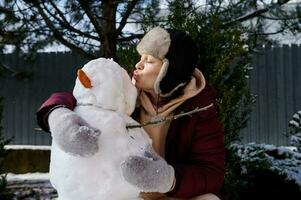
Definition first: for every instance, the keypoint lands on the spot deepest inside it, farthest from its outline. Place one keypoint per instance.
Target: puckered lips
(135, 75)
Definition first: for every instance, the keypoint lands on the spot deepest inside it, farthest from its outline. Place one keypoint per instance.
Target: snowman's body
(99, 177)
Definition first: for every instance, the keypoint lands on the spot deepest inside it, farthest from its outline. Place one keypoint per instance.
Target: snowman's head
(103, 83)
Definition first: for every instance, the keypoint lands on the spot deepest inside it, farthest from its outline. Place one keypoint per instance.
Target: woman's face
(147, 70)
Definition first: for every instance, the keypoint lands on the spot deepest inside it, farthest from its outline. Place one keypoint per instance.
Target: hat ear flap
(168, 89)
(84, 79)
(161, 75)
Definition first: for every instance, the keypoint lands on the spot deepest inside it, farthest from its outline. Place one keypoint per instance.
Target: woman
(169, 84)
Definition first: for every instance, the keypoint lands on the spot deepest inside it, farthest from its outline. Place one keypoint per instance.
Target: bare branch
(268, 33)
(129, 38)
(61, 14)
(230, 7)
(65, 23)
(19, 75)
(86, 6)
(164, 119)
(275, 32)
(7, 68)
(256, 13)
(278, 18)
(59, 36)
(126, 15)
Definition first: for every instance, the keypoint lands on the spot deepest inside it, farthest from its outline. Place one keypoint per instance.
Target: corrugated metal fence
(51, 72)
(275, 79)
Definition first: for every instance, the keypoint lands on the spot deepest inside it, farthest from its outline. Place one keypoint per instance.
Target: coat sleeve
(60, 99)
(204, 170)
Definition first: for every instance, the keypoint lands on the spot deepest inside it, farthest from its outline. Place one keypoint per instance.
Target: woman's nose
(139, 65)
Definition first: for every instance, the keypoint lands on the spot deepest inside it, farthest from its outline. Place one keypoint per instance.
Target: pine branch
(7, 68)
(19, 75)
(170, 118)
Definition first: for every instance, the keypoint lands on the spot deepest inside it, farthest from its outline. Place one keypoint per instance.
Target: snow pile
(283, 160)
(27, 147)
(28, 176)
(106, 106)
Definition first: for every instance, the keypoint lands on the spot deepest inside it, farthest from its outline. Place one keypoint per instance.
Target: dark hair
(183, 58)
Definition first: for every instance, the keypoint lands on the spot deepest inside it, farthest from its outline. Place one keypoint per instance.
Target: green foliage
(127, 56)
(233, 180)
(3, 141)
(149, 17)
(3, 193)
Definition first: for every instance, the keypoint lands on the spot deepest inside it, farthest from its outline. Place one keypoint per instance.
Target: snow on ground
(27, 147)
(27, 176)
(30, 186)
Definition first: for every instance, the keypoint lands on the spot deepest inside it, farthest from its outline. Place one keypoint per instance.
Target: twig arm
(163, 119)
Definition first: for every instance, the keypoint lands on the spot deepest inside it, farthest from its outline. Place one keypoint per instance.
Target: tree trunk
(109, 36)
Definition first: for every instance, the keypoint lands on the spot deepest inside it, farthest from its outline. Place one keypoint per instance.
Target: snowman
(105, 100)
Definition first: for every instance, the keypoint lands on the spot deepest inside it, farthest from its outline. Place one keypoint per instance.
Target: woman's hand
(150, 173)
(72, 133)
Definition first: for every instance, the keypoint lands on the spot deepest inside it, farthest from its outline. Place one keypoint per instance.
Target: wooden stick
(163, 119)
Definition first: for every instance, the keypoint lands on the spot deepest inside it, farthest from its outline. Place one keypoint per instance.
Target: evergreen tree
(3, 193)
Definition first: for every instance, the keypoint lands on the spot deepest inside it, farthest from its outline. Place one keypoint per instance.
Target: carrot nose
(84, 79)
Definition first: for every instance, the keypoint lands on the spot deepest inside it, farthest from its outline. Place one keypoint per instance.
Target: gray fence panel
(280, 79)
(297, 74)
(272, 94)
(262, 106)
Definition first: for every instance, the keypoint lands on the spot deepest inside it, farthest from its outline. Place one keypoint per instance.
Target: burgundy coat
(194, 144)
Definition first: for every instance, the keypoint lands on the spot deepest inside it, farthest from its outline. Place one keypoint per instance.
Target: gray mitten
(72, 133)
(150, 173)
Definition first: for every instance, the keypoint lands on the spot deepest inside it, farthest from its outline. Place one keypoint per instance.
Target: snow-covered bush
(295, 130)
(283, 160)
(261, 171)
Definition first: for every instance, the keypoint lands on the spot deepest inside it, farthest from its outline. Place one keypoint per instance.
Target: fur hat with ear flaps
(179, 54)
